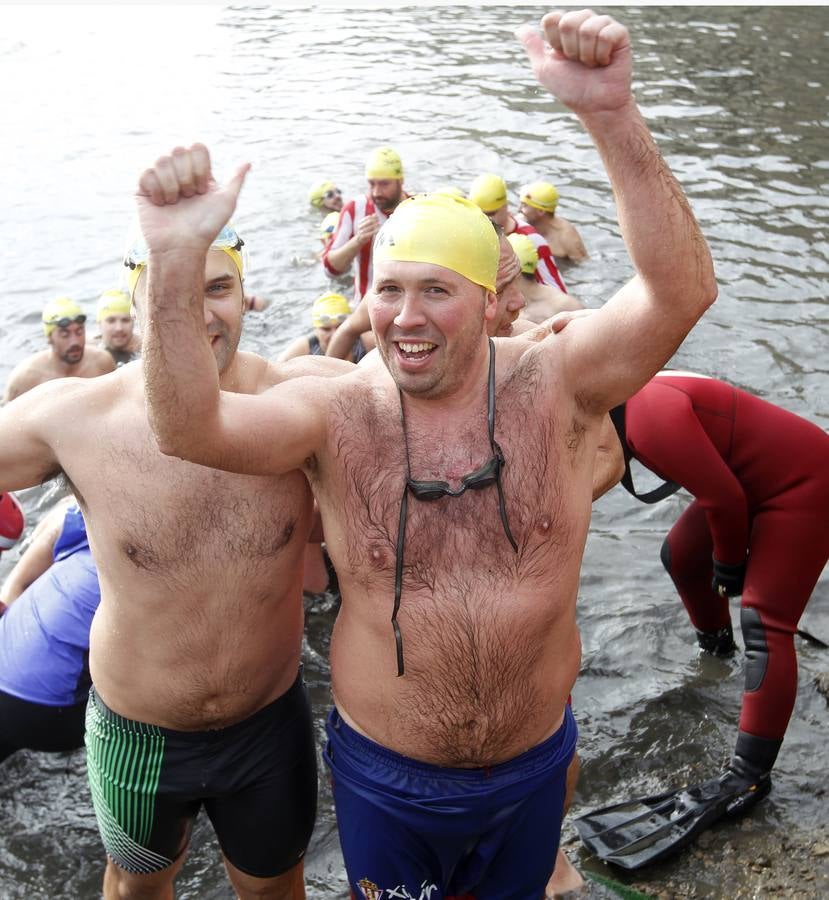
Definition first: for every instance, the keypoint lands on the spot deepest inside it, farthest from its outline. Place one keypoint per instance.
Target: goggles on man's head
(64, 321)
(323, 320)
(227, 239)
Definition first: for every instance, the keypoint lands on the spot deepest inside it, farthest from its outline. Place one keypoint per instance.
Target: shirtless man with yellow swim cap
(64, 324)
(454, 484)
(195, 647)
(117, 327)
(539, 202)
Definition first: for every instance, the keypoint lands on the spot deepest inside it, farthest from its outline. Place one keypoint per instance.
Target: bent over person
(194, 653)
(454, 484)
(757, 528)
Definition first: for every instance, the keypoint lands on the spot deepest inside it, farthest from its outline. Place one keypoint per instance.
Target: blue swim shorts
(414, 831)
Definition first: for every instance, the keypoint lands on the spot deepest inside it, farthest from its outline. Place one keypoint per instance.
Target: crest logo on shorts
(369, 889)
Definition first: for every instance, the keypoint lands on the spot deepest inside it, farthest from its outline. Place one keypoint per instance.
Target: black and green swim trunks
(257, 781)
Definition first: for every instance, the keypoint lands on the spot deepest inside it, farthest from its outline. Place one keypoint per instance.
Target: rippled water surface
(737, 99)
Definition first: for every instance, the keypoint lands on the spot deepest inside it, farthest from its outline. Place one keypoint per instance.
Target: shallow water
(737, 100)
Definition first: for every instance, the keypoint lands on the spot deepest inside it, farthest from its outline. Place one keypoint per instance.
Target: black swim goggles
(484, 476)
(65, 321)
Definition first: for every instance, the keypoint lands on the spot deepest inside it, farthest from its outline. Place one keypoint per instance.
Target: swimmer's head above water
(329, 309)
(60, 313)
(526, 252)
(384, 162)
(489, 192)
(113, 303)
(540, 195)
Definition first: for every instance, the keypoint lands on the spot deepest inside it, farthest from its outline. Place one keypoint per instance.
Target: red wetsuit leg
(687, 558)
(788, 550)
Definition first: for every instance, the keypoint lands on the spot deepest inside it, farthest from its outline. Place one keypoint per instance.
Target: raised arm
(181, 211)
(586, 64)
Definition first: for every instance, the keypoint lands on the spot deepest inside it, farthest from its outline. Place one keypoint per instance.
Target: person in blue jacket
(44, 640)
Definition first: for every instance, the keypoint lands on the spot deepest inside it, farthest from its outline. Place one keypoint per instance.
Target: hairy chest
(457, 544)
(163, 515)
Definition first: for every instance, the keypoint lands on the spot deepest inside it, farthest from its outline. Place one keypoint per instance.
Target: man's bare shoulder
(28, 373)
(536, 347)
(99, 361)
(73, 398)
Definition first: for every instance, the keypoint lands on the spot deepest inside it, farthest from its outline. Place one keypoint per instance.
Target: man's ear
(490, 305)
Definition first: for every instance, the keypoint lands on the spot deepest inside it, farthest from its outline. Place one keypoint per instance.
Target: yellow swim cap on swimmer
(318, 191)
(113, 303)
(56, 311)
(526, 252)
(329, 225)
(489, 192)
(384, 162)
(330, 309)
(450, 190)
(447, 231)
(227, 240)
(540, 195)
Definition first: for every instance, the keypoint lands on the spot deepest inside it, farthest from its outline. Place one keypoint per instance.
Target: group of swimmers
(451, 473)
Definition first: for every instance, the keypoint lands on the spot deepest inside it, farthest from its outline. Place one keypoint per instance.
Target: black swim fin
(643, 831)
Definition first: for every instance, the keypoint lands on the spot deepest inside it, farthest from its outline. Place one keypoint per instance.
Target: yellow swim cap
(56, 311)
(384, 162)
(526, 252)
(330, 309)
(447, 231)
(329, 225)
(450, 190)
(113, 303)
(227, 240)
(489, 192)
(540, 195)
(318, 191)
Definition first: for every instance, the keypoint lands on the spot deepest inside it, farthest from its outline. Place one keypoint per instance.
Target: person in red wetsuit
(757, 528)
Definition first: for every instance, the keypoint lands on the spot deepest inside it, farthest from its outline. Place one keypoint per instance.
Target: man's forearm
(342, 341)
(339, 261)
(179, 368)
(662, 235)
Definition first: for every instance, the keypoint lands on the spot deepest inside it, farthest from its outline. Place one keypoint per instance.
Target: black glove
(728, 580)
(719, 642)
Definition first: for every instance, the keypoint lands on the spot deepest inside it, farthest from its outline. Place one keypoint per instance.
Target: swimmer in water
(543, 300)
(326, 196)
(489, 192)
(117, 327)
(328, 312)
(64, 324)
(361, 219)
(539, 205)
